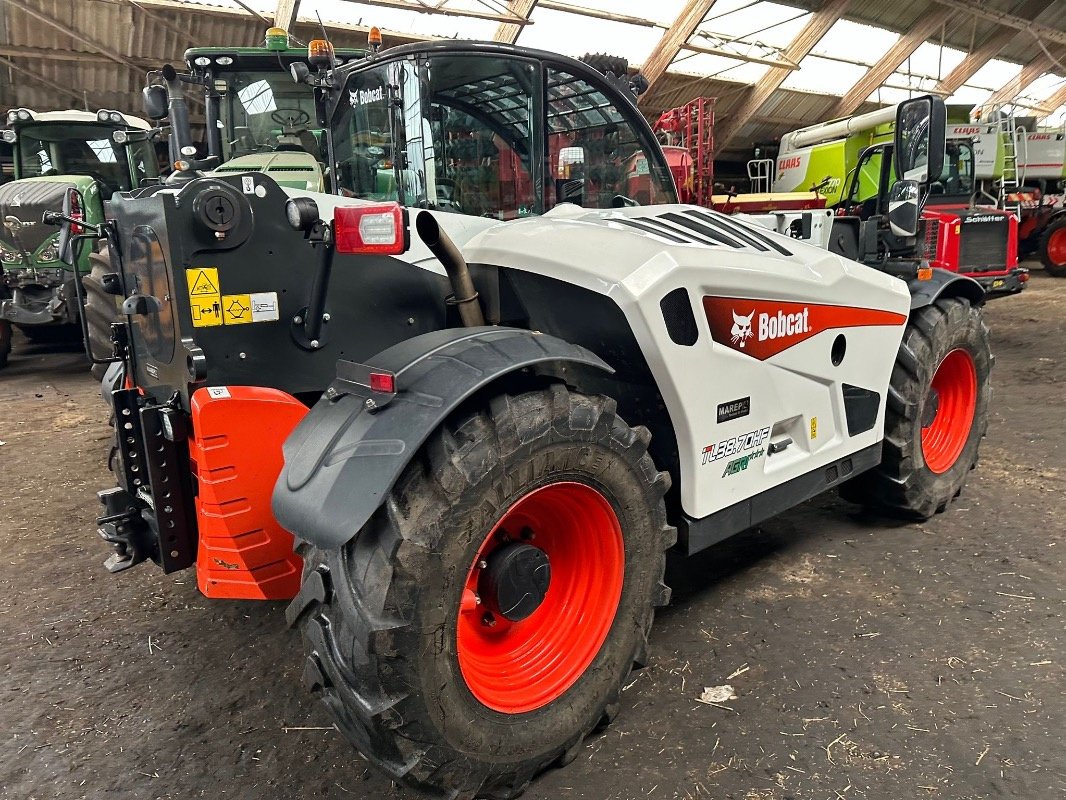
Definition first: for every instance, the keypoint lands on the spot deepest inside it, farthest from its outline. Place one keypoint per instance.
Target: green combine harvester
(51, 152)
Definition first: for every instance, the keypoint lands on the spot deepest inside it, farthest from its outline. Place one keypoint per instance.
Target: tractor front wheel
(5, 342)
(1053, 248)
(485, 619)
(937, 413)
(101, 309)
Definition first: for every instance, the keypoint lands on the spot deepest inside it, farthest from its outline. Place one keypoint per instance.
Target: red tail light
(383, 382)
(76, 213)
(379, 229)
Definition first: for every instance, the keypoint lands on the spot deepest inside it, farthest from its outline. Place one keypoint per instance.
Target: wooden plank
(285, 13)
(1030, 72)
(924, 27)
(1017, 20)
(508, 32)
(1055, 102)
(800, 46)
(45, 54)
(986, 50)
(663, 54)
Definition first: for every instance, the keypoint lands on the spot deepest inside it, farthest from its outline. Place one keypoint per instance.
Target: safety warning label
(209, 307)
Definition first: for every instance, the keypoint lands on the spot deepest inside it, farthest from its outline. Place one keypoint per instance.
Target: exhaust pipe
(441, 245)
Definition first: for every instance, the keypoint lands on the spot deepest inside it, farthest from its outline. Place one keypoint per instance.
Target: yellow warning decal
(203, 281)
(205, 302)
(206, 311)
(814, 427)
(236, 309)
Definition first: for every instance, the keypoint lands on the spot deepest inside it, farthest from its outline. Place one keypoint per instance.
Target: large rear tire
(936, 415)
(101, 308)
(1053, 248)
(413, 624)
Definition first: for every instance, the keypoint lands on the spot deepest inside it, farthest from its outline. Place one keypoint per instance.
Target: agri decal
(741, 464)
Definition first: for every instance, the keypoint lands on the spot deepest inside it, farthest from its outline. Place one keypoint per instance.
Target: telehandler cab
(484, 392)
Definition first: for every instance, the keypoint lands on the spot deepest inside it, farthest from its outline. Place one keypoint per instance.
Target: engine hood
(631, 252)
(23, 203)
(293, 169)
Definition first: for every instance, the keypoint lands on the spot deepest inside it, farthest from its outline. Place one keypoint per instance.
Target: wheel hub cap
(515, 581)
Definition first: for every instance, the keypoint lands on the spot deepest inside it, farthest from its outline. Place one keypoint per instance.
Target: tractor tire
(413, 623)
(5, 342)
(937, 413)
(1053, 248)
(601, 62)
(101, 309)
(51, 334)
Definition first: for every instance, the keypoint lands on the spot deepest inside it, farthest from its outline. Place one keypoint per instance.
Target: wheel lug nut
(489, 621)
(483, 564)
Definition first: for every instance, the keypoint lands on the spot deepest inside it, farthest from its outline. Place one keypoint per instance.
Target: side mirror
(920, 139)
(67, 229)
(155, 101)
(903, 209)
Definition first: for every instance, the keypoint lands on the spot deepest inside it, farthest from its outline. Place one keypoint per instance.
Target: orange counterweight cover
(236, 453)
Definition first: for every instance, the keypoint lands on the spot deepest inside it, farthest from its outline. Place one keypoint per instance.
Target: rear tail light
(383, 382)
(76, 213)
(379, 229)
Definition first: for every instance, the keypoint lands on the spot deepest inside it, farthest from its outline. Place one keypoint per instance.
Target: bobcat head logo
(741, 330)
(353, 98)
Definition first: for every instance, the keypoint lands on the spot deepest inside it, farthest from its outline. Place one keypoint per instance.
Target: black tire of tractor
(1056, 230)
(380, 614)
(603, 63)
(902, 485)
(51, 334)
(5, 341)
(101, 309)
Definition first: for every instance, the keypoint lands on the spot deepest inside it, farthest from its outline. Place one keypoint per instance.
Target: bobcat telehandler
(52, 151)
(485, 392)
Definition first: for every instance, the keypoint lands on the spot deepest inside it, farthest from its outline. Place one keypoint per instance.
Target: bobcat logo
(741, 330)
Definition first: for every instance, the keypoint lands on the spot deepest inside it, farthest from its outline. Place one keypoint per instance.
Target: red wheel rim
(1056, 247)
(955, 384)
(515, 667)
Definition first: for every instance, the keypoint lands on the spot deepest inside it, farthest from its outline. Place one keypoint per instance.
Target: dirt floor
(869, 659)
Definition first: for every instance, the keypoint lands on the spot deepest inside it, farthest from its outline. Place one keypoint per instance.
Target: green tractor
(256, 120)
(52, 152)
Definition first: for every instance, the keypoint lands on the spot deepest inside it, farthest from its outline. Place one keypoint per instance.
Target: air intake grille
(704, 227)
(983, 246)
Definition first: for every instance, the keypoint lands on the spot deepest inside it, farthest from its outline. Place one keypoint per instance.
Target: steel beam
(805, 41)
(674, 39)
(922, 29)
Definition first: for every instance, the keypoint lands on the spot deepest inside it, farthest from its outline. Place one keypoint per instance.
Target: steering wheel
(290, 117)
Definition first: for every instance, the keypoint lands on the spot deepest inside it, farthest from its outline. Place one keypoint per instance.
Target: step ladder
(761, 175)
(1010, 179)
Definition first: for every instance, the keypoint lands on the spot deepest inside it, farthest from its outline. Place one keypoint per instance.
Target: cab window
(593, 151)
(364, 136)
(478, 136)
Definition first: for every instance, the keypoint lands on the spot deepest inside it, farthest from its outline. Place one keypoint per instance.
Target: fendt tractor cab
(52, 152)
(482, 391)
(257, 118)
(850, 162)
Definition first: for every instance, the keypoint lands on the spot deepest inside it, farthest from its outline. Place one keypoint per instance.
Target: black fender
(944, 284)
(343, 458)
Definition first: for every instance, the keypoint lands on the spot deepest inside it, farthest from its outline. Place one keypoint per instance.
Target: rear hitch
(122, 527)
